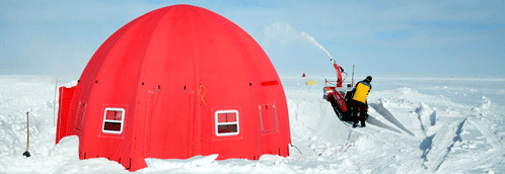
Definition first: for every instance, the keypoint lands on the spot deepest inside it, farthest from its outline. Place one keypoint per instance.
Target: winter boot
(355, 124)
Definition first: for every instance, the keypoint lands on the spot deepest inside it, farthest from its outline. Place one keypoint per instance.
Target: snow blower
(338, 95)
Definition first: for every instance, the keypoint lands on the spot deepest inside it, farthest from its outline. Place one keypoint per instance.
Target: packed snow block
(438, 146)
(178, 82)
(379, 107)
(65, 98)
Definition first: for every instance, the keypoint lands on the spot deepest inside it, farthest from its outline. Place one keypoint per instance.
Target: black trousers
(355, 107)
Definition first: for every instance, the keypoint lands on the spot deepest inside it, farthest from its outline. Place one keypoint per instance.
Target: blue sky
(460, 38)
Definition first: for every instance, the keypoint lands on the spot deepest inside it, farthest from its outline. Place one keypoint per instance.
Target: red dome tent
(177, 82)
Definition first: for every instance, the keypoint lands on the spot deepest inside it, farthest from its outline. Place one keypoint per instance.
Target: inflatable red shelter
(177, 82)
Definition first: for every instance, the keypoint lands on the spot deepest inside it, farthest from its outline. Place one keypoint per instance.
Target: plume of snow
(313, 41)
(285, 33)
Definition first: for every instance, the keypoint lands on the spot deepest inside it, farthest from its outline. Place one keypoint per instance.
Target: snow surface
(417, 125)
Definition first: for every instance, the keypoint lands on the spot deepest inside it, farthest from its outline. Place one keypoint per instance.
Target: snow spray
(313, 41)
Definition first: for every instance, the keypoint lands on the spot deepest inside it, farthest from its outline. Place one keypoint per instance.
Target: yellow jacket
(361, 91)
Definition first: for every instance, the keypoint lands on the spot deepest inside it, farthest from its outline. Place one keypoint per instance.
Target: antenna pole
(352, 83)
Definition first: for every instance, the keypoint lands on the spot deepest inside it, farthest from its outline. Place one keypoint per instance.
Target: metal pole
(54, 105)
(352, 76)
(26, 153)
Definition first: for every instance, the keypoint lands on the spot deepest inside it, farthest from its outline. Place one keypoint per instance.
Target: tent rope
(202, 95)
(296, 148)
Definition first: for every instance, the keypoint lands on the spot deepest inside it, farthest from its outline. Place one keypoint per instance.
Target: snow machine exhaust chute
(339, 70)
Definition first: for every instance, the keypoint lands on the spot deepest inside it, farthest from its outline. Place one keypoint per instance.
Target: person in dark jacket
(358, 101)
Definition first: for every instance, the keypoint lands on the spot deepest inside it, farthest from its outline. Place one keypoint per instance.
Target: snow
(416, 125)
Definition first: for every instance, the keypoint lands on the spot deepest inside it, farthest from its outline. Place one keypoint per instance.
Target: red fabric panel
(65, 98)
(113, 115)
(231, 117)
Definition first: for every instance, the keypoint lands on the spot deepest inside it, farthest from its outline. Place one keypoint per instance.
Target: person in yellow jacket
(358, 101)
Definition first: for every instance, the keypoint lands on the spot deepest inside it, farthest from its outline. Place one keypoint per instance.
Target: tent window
(227, 122)
(113, 120)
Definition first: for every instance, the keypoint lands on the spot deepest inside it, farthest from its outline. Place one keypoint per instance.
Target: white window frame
(226, 123)
(113, 121)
